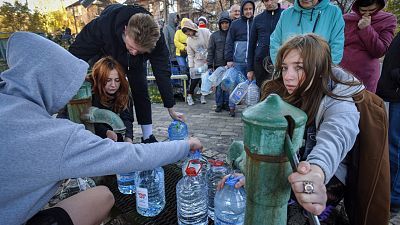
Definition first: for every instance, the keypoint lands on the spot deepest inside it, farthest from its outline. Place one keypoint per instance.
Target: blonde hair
(143, 30)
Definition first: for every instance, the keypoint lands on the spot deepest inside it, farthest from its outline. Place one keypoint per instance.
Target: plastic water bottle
(230, 204)
(228, 82)
(197, 156)
(150, 192)
(253, 94)
(217, 75)
(217, 171)
(178, 130)
(191, 194)
(239, 92)
(74, 186)
(126, 183)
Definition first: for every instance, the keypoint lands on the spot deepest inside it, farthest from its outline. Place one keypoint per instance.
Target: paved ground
(215, 130)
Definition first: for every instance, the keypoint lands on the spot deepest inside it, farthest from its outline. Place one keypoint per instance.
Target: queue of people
(310, 54)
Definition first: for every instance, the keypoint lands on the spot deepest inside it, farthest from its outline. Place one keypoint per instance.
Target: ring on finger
(308, 187)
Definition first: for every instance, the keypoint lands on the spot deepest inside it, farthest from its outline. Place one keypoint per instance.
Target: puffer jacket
(216, 45)
(180, 39)
(363, 48)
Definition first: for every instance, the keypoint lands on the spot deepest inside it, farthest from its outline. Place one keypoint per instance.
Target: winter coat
(216, 45)
(197, 45)
(263, 26)
(389, 82)
(41, 151)
(363, 48)
(180, 39)
(236, 46)
(103, 36)
(325, 19)
(169, 34)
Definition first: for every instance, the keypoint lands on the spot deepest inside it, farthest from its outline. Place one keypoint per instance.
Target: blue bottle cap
(232, 180)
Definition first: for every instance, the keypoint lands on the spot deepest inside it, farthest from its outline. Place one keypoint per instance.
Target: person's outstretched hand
(314, 202)
(112, 135)
(241, 183)
(176, 115)
(195, 144)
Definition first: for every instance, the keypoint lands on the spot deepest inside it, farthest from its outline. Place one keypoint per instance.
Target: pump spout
(96, 115)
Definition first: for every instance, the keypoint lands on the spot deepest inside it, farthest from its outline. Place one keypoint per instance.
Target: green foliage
(155, 96)
(18, 17)
(393, 6)
(3, 65)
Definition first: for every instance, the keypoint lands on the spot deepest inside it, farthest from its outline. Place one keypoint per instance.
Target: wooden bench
(182, 77)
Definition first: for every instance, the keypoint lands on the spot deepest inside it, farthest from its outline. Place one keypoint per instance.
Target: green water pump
(267, 127)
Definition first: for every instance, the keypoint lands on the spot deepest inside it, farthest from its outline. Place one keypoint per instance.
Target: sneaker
(232, 112)
(190, 100)
(218, 109)
(198, 91)
(203, 99)
(151, 139)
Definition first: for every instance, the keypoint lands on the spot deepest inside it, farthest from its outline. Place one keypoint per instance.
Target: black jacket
(263, 26)
(389, 82)
(236, 44)
(103, 37)
(216, 45)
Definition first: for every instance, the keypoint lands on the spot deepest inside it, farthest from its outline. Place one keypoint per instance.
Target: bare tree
(344, 5)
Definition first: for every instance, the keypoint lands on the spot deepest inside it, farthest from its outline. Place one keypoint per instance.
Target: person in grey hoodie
(169, 33)
(304, 77)
(38, 151)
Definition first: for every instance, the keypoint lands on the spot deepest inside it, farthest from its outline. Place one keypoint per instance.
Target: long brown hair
(101, 69)
(317, 66)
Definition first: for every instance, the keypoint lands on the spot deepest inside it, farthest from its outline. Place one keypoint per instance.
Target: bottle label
(142, 197)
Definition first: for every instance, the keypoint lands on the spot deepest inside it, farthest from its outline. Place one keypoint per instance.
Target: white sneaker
(198, 91)
(190, 100)
(203, 99)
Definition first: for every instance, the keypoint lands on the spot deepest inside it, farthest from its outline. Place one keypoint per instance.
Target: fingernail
(303, 169)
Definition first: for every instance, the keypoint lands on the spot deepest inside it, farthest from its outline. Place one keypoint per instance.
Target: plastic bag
(205, 83)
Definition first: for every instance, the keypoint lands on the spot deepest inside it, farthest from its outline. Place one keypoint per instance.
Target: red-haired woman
(111, 91)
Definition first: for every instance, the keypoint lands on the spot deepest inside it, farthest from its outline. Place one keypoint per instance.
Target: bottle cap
(216, 162)
(232, 180)
(193, 168)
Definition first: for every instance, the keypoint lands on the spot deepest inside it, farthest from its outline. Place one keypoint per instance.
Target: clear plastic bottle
(74, 186)
(150, 192)
(216, 172)
(239, 92)
(178, 130)
(230, 204)
(191, 194)
(253, 94)
(126, 183)
(216, 77)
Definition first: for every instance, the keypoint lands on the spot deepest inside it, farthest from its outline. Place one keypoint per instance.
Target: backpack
(367, 194)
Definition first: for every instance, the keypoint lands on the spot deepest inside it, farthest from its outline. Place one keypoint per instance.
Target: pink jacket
(363, 48)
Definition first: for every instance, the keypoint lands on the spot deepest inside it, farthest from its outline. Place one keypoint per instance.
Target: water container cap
(197, 154)
(193, 168)
(216, 162)
(232, 180)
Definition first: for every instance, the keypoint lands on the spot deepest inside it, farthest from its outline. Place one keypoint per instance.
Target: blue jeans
(394, 152)
(221, 97)
(243, 70)
(183, 66)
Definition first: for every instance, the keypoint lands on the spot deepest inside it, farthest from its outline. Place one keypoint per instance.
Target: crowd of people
(310, 54)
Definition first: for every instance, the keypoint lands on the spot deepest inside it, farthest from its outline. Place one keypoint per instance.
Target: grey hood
(172, 20)
(41, 71)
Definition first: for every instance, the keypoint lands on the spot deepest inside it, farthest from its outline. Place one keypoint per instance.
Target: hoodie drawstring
(316, 21)
(312, 12)
(301, 15)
